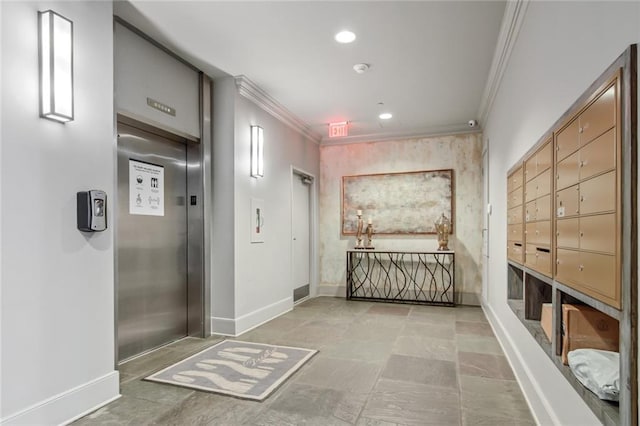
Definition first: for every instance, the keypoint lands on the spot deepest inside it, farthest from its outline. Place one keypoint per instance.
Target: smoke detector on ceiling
(361, 68)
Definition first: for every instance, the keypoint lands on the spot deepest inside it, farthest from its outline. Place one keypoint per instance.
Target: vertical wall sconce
(56, 66)
(257, 152)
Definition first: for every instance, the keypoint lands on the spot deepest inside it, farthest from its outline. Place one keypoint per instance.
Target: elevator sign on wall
(146, 189)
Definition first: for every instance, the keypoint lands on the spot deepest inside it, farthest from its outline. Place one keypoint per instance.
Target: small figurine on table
(443, 226)
(369, 245)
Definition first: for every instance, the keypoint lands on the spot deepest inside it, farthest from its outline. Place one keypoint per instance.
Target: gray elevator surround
(151, 250)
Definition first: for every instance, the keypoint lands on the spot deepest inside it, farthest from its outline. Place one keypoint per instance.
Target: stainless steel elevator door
(151, 250)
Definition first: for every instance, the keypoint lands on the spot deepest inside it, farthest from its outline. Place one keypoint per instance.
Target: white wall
(261, 278)
(462, 153)
(57, 306)
(561, 49)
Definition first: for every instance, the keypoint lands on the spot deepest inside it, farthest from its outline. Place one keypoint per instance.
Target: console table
(401, 276)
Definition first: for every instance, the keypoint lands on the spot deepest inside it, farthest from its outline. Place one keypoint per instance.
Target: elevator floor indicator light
(338, 130)
(161, 107)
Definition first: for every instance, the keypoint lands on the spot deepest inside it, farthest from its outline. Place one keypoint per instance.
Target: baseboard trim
(236, 326)
(69, 405)
(223, 326)
(332, 290)
(538, 404)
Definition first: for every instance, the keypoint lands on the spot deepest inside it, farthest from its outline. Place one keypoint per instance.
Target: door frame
(295, 173)
(486, 210)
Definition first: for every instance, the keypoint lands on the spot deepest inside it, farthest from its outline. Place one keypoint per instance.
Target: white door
(301, 227)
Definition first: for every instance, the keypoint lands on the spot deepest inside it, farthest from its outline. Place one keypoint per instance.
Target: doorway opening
(302, 190)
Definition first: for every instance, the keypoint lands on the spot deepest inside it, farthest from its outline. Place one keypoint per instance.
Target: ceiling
(429, 60)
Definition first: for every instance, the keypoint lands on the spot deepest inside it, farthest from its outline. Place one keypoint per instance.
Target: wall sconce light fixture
(257, 152)
(56, 66)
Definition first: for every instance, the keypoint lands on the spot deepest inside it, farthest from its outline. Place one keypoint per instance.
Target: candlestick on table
(359, 226)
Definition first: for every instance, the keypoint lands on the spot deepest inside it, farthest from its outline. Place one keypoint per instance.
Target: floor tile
(432, 372)
(478, 344)
(311, 337)
(486, 399)
(484, 365)
(279, 418)
(389, 309)
(425, 347)
(203, 408)
(126, 411)
(412, 404)
(429, 317)
(365, 421)
(369, 330)
(311, 402)
(161, 393)
(350, 407)
(279, 325)
(445, 332)
(473, 328)
(473, 418)
(433, 310)
(304, 314)
(358, 350)
(339, 321)
(340, 374)
(471, 314)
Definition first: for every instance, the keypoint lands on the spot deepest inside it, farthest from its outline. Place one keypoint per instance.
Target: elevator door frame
(197, 297)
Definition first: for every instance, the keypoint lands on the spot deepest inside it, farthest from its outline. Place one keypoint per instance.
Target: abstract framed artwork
(398, 203)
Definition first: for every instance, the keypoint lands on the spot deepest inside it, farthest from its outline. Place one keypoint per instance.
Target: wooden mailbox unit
(572, 211)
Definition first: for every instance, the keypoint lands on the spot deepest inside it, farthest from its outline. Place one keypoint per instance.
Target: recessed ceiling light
(345, 37)
(385, 116)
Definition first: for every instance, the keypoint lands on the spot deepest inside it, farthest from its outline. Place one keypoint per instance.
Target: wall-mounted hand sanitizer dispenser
(92, 210)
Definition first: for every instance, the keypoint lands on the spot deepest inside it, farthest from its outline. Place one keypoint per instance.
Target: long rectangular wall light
(257, 152)
(56, 66)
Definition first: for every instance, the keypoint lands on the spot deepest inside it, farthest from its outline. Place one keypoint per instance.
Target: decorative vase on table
(443, 227)
(369, 233)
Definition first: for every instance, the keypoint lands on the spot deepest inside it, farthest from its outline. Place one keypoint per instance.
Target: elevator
(160, 239)
(163, 124)
(152, 241)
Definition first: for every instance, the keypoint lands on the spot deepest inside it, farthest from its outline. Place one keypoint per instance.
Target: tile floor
(379, 364)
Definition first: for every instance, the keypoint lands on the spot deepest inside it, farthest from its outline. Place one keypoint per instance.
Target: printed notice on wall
(146, 189)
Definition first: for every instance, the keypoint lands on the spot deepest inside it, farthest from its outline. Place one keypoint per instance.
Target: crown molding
(451, 130)
(510, 28)
(251, 91)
